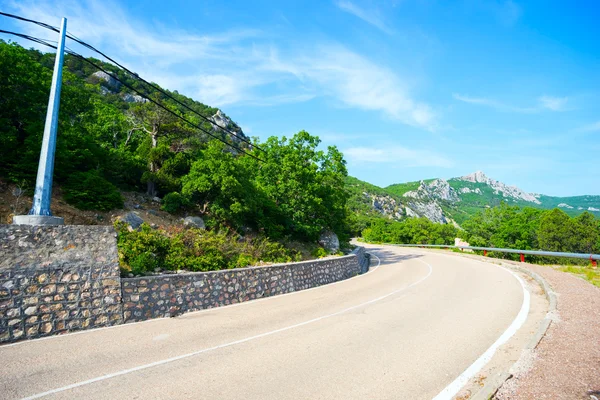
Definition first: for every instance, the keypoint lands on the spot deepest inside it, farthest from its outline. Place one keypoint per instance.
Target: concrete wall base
(37, 220)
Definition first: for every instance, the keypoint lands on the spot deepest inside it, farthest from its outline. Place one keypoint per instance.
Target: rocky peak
(476, 177)
(499, 187)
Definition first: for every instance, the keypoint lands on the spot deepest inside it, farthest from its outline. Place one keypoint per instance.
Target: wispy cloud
(240, 67)
(357, 82)
(594, 127)
(397, 155)
(371, 16)
(544, 103)
(553, 103)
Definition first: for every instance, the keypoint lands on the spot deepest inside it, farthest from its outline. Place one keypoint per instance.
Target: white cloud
(544, 103)
(233, 67)
(372, 17)
(476, 100)
(553, 103)
(398, 155)
(357, 82)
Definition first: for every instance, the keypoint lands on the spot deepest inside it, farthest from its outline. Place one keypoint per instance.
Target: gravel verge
(566, 362)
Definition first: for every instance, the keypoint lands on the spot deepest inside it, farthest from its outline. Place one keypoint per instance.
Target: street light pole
(40, 213)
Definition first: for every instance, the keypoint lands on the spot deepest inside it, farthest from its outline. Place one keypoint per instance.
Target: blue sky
(407, 89)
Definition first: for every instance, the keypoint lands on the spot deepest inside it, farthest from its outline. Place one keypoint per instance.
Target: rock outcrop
(430, 210)
(386, 205)
(132, 219)
(194, 222)
(438, 189)
(221, 122)
(109, 81)
(499, 187)
(133, 98)
(329, 241)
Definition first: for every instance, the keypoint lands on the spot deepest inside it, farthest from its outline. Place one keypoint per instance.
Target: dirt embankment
(14, 201)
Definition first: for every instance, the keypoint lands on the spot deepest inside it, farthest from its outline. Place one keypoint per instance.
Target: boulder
(329, 241)
(132, 219)
(194, 222)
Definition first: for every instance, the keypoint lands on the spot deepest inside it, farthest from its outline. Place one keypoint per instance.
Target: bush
(175, 249)
(320, 252)
(173, 202)
(141, 251)
(89, 191)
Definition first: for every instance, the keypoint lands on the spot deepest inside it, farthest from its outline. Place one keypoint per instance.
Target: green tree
(155, 123)
(305, 184)
(556, 231)
(221, 184)
(586, 233)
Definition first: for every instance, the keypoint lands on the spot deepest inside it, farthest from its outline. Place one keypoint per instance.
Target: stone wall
(168, 295)
(57, 279)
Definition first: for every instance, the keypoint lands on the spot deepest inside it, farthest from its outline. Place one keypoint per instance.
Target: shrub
(175, 249)
(320, 252)
(89, 191)
(173, 202)
(141, 251)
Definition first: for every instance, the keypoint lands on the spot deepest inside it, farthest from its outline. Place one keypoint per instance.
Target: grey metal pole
(40, 213)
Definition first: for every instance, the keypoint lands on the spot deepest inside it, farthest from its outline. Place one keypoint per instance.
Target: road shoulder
(565, 362)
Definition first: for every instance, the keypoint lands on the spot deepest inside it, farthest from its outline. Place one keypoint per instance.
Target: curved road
(405, 330)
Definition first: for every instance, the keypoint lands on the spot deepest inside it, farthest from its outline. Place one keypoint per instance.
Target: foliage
(305, 184)
(297, 192)
(533, 229)
(399, 189)
(173, 202)
(147, 250)
(410, 231)
(221, 183)
(90, 191)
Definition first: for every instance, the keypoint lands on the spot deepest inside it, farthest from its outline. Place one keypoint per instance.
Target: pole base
(37, 220)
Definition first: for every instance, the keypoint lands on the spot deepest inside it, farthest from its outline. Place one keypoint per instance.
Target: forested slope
(110, 139)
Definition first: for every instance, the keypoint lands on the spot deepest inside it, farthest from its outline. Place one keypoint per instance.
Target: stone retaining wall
(168, 295)
(57, 279)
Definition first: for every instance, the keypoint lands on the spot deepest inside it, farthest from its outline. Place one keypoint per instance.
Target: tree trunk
(151, 188)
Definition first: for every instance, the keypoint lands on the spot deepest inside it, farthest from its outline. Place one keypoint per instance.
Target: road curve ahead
(405, 330)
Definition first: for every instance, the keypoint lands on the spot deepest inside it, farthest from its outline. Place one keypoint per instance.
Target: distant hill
(457, 199)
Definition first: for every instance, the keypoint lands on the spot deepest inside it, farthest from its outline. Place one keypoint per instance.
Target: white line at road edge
(452, 389)
(195, 353)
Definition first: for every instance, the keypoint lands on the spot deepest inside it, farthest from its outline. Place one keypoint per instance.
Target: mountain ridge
(456, 199)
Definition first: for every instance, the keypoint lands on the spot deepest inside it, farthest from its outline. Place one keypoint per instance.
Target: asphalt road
(405, 330)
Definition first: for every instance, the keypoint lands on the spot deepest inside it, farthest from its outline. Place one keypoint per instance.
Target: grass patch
(588, 273)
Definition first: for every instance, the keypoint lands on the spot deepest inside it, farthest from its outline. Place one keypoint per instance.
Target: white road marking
(262, 335)
(452, 389)
(190, 313)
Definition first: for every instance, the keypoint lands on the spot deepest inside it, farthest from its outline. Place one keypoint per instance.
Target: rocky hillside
(454, 200)
(461, 197)
(370, 201)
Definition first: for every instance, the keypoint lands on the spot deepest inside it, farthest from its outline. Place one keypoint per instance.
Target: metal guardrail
(592, 257)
